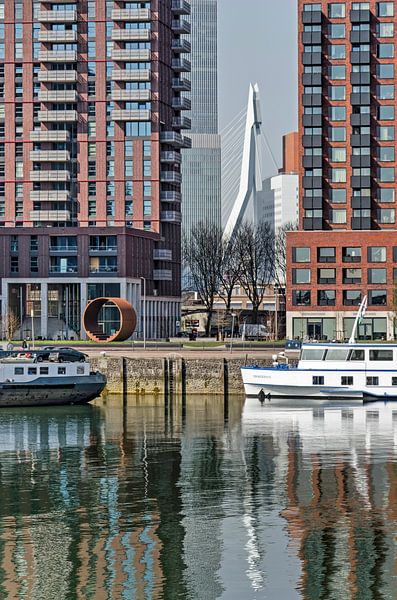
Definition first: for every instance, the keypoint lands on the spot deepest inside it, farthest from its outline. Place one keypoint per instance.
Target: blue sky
(258, 43)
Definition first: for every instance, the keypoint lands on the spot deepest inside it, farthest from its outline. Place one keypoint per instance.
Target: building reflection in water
(101, 502)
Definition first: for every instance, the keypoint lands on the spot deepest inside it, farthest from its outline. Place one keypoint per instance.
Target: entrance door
(314, 330)
(365, 331)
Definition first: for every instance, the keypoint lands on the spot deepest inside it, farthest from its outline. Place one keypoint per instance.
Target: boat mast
(360, 315)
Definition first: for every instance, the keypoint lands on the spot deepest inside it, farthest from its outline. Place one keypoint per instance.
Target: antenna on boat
(360, 316)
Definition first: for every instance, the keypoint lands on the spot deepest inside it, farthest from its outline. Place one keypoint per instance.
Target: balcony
(312, 58)
(170, 157)
(49, 176)
(162, 275)
(313, 17)
(57, 76)
(131, 95)
(49, 136)
(57, 16)
(105, 249)
(49, 215)
(131, 35)
(63, 249)
(180, 26)
(181, 46)
(170, 216)
(63, 270)
(48, 36)
(180, 84)
(126, 55)
(180, 7)
(360, 120)
(357, 140)
(58, 116)
(181, 123)
(61, 56)
(104, 270)
(50, 156)
(181, 104)
(49, 196)
(170, 177)
(169, 196)
(131, 14)
(162, 254)
(131, 115)
(175, 139)
(360, 16)
(58, 96)
(131, 75)
(360, 58)
(181, 65)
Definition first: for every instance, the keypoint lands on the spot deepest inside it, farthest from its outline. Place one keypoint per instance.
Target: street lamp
(32, 317)
(144, 312)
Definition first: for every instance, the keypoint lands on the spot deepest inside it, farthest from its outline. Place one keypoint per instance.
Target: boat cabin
(373, 356)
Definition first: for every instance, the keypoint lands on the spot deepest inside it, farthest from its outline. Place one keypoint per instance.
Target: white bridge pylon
(251, 165)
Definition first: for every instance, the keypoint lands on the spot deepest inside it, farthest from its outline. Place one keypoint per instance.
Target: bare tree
(230, 272)
(255, 248)
(280, 247)
(203, 255)
(9, 324)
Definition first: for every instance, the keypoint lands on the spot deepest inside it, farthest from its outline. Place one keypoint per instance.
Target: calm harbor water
(263, 502)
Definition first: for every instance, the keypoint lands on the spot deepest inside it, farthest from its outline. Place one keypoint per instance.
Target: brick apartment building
(346, 246)
(92, 96)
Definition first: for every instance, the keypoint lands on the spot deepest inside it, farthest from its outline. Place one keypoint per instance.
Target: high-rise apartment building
(91, 120)
(347, 244)
(201, 165)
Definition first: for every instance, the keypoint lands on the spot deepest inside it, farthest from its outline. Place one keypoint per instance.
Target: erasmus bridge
(243, 146)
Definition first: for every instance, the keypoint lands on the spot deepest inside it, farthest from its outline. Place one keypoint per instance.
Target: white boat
(338, 371)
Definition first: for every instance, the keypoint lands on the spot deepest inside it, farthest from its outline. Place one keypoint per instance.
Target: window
(351, 254)
(337, 51)
(386, 112)
(357, 355)
(43, 370)
(386, 154)
(351, 276)
(337, 113)
(336, 31)
(318, 380)
(386, 194)
(337, 196)
(385, 9)
(301, 276)
(377, 297)
(351, 297)
(337, 134)
(32, 370)
(18, 371)
(61, 370)
(385, 92)
(346, 380)
(325, 276)
(338, 216)
(312, 7)
(338, 175)
(386, 174)
(337, 154)
(337, 11)
(385, 51)
(326, 297)
(301, 255)
(381, 355)
(372, 381)
(376, 276)
(386, 216)
(385, 30)
(301, 297)
(385, 71)
(337, 72)
(326, 255)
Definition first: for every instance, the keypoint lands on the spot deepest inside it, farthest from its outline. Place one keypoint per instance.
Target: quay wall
(172, 376)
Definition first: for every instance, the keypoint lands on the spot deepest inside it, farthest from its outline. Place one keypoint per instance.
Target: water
(264, 502)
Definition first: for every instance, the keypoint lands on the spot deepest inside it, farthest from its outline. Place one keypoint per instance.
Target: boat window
(357, 355)
(337, 354)
(80, 370)
(312, 354)
(318, 380)
(61, 370)
(32, 371)
(43, 370)
(394, 380)
(18, 371)
(346, 380)
(372, 380)
(380, 355)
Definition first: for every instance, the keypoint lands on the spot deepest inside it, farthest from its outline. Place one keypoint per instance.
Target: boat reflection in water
(151, 502)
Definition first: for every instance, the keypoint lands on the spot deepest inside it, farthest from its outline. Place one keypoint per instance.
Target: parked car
(253, 332)
(60, 354)
(293, 345)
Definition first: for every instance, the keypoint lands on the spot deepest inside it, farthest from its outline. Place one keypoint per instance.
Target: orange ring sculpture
(127, 320)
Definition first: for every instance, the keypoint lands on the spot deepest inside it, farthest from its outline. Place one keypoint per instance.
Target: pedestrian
(24, 344)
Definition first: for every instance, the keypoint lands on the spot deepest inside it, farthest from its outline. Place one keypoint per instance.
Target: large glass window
(325, 276)
(385, 30)
(386, 194)
(301, 255)
(377, 297)
(385, 9)
(385, 71)
(386, 174)
(385, 92)
(301, 297)
(301, 275)
(326, 297)
(336, 31)
(326, 255)
(337, 113)
(386, 134)
(376, 276)
(337, 11)
(351, 297)
(337, 154)
(377, 254)
(337, 196)
(337, 92)
(351, 276)
(337, 51)
(338, 216)
(386, 112)
(337, 134)
(386, 216)
(337, 354)
(337, 72)
(338, 175)
(385, 51)
(351, 254)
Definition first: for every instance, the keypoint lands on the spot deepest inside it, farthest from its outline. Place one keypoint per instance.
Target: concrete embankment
(173, 375)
